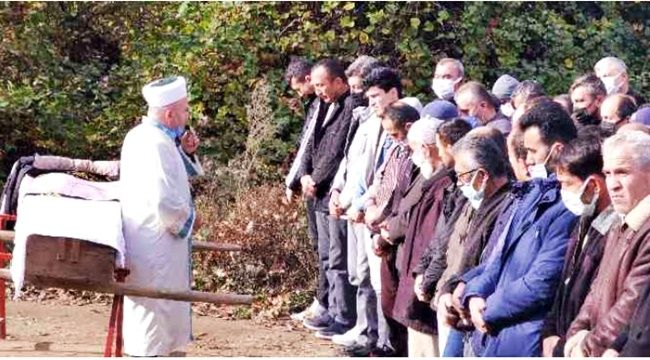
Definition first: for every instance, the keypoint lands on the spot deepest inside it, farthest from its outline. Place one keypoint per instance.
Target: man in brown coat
(626, 272)
(410, 228)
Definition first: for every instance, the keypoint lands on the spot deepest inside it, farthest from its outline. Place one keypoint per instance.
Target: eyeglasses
(461, 175)
(468, 172)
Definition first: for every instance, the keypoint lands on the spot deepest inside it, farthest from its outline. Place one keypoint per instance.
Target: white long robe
(157, 216)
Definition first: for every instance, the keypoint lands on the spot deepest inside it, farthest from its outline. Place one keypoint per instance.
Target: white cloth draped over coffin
(61, 205)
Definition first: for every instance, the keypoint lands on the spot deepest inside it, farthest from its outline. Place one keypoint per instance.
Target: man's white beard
(426, 170)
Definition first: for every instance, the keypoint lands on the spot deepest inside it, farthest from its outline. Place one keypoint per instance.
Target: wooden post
(8, 237)
(5, 257)
(130, 290)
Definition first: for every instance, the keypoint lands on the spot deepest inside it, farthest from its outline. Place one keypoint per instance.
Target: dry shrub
(239, 204)
(278, 263)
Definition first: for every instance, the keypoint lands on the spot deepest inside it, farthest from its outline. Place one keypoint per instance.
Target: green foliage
(72, 72)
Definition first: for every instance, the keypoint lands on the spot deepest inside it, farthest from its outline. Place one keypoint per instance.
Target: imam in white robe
(157, 216)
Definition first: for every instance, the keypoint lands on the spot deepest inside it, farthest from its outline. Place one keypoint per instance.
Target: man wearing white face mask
(609, 308)
(482, 167)
(612, 71)
(545, 133)
(584, 193)
(503, 89)
(447, 78)
(510, 292)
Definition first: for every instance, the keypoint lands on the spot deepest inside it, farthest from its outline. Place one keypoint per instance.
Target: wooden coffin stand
(82, 265)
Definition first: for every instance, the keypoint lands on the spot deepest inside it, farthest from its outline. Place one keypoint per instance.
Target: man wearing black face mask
(356, 73)
(587, 94)
(616, 111)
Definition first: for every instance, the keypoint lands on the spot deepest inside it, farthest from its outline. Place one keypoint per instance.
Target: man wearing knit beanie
(503, 89)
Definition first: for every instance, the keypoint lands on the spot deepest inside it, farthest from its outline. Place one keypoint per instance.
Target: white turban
(165, 91)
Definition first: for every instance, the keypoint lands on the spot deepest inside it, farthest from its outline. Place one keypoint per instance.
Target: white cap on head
(413, 102)
(424, 130)
(165, 91)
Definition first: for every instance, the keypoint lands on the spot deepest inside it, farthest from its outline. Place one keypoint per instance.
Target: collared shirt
(308, 130)
(602, 223)
(639, 215)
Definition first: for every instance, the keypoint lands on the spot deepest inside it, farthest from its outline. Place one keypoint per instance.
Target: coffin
(56, 261)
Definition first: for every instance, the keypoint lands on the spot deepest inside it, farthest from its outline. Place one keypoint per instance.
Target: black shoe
(318, 323)
(335, 329)
(383, 351)
(358, 350)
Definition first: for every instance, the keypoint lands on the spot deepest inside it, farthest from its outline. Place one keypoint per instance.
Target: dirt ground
(47, 330)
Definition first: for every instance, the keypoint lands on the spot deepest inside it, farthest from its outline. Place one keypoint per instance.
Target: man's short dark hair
(591, 82)
(401, 114)
(582, 157)
(453, 130)
(626, 106)
(298, 68)
(384, 78)
(554, 124)
(334, 68)
(595, 131)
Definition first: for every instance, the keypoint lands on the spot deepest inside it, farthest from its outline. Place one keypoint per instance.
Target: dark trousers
(322, 292)
(389, 283)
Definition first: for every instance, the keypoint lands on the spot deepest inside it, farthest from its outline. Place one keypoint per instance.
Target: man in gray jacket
(365, 155)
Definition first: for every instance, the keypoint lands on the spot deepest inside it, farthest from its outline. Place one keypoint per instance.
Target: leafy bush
(72, 72)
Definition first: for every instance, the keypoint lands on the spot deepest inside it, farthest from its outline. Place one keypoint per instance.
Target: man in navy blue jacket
(509, 294)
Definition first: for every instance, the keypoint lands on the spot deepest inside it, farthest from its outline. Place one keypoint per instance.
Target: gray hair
(591, 83)
(528, 89)
(617, 63)
(484, 152)
(456, 62)
(298, 68)
(636, 142)
(361, 66)
(424, 131)
(157, 112)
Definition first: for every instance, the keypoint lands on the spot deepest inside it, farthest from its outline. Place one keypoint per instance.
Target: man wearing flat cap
(158, 217)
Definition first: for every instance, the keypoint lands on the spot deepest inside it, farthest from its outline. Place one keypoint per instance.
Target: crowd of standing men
(489, 222)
